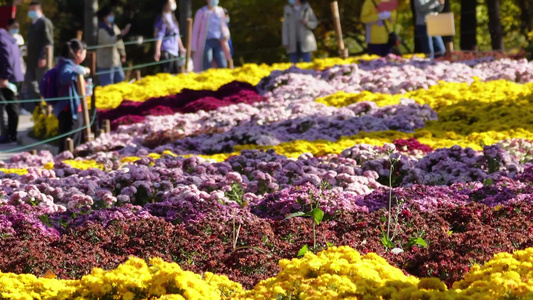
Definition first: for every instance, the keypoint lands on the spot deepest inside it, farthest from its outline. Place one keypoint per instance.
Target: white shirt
(19, 38)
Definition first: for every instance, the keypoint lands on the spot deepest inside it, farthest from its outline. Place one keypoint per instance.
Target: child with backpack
(62, 82)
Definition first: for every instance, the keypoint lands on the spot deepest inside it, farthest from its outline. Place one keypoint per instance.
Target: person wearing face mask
(297, 36)
(68, 112)
(10, 74)
(13, 27)
(210, 37)
(112, 55)
(168, 45)
(40, 35)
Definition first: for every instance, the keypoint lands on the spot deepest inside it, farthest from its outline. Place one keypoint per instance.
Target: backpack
(49, 87)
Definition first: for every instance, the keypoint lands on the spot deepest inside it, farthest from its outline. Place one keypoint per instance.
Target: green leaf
(329, 244)
(417, 241)
(386, 241)
(318, 215)
(296, 214)
(303, 251)
(487, 182)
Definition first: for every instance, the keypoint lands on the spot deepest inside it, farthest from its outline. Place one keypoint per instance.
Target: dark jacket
(67, 87)
(40, 35)
(10, 66)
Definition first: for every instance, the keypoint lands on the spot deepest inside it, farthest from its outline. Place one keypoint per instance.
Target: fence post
(338, 29)
(91, 61)
(107, 126)
(49, 56)
(449, 50)
(33, 152)
(138, 75)
(189, 43)
(79, 35)
(128, 72)
(85, 111)
(69, 145)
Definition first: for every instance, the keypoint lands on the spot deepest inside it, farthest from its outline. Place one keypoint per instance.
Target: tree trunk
(90, 28)
(185, 12)
(525, 16)
(495, 24)
(418, 48)
(468, 25)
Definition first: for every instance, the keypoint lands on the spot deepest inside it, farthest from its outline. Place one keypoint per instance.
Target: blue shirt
(169, 32)
(67, 77)
(214, 30)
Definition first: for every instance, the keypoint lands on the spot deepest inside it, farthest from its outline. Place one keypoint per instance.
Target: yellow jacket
(376, 32)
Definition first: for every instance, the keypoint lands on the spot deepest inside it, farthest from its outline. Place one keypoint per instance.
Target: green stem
(390, 198)
(314, 236)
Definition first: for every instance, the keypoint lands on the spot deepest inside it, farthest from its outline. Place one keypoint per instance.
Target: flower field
(370, 178)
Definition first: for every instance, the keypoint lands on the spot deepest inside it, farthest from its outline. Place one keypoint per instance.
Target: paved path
(25, 123)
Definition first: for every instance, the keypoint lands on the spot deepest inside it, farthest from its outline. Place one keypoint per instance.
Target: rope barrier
(18, 149)
(140, 66)
(259, 50)
(139, 41)
(39, 100)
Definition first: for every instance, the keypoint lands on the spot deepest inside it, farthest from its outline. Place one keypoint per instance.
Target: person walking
(14, 29)
(40, 35)
(433, 47)
(210, 37)
(168, 45)
(69, 112)
(10, 74)
(299, 21)
(112, 53)
(379, 20)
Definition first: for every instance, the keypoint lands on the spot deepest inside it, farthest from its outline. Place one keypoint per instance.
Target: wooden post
(128, 72)
(338, 29)
(230, 64)
(69, 145)
(449, 50)
(138, 75)
(102, 131)
(91, 63)
(49, 56)
(107, 126)
(189, 43)
(85, 110)
(79, 35)
(33, 152)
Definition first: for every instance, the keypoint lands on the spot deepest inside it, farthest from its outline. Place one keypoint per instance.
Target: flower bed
(336, 273)
(391, 75)
(300, 160)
